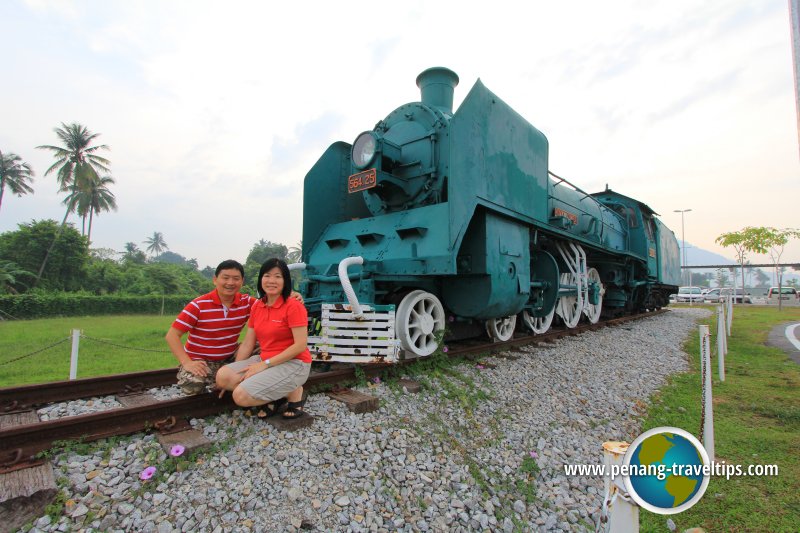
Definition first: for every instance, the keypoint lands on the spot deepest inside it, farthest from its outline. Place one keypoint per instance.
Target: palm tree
(15, 174)
(156, 243)
(9, 276)
(133, 254)
(295, 253)
(91, 197)
(77, 164)
(76, 157)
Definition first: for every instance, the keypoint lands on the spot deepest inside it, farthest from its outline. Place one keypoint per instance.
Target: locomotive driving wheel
(419, 317)
(538, 324)
(592, 311)
(501, 329)
(569, 306)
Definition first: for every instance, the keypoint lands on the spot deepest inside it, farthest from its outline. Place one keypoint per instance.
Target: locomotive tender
(438, 220)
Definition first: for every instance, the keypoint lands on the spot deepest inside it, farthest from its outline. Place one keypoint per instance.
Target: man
(213, 322)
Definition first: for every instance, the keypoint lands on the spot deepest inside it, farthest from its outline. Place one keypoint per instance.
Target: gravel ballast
(482, 447)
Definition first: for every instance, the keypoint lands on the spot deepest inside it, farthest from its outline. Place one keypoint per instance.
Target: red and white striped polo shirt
(213, 328)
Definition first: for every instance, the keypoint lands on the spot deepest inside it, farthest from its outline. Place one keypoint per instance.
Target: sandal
(274, 408)
(294, 409)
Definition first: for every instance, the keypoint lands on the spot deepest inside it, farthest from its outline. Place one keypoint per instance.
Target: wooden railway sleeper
(171, 425)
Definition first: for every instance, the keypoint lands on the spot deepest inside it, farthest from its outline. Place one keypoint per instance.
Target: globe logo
(668, 470)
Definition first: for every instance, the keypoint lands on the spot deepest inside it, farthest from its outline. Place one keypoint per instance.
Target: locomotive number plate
(362, 181)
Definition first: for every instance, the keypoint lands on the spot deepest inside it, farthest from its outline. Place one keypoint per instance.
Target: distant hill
(698, 256)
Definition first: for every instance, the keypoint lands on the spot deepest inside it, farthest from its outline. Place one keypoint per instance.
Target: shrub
(46, 305)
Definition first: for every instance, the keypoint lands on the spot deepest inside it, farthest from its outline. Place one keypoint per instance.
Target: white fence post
(619, 513)
(73, 359)
(721, 342)
(707, 413)
(730, 312)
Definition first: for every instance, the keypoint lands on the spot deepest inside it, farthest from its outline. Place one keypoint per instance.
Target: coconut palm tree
(9, 276)
(76, 157)
(295, 253)
(77, 164)
(156, 243)
(90, 197)
(15, 174)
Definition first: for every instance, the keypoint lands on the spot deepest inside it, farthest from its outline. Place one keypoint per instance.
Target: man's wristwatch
(266, 361)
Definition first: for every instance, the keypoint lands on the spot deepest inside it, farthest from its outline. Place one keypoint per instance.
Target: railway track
(21, 444)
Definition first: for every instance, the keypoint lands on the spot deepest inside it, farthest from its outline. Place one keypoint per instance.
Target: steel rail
(20, 445)
(15, 399)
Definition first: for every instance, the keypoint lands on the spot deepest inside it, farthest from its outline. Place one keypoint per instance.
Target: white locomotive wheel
(419, 317)
(592, 311)
(501, 329)
(568, 307)
(538, 324)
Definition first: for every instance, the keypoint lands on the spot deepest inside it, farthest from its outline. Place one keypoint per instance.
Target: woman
(280, 324)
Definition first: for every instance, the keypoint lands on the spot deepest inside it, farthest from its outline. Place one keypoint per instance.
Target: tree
(740, 241)
(90, 197)
(27, 246)
(133, 254)
(156, 244)
(263, 250)
(15, 175)
(762, 279)
(259, 253)
(77, 164)
(295, 253)
(722, 277)
(175, 259)
(761, 240)
(10, 274)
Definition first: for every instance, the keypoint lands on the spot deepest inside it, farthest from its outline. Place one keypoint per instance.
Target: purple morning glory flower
(147, 473)
(177, 450)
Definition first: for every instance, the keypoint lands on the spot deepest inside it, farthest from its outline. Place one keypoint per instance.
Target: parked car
(715, 295)
(720, 294)
(690, 294)
(739, 299)
(786, 293)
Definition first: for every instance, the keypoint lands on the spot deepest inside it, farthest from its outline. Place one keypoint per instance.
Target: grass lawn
(138, 332)
(756, 421)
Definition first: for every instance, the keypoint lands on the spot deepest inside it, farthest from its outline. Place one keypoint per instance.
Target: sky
(214, 111)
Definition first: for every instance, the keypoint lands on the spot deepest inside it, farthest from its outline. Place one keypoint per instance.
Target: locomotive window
(632, 221)
(648, 227)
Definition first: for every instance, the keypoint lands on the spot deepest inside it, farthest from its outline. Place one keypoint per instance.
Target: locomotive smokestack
(436, 85)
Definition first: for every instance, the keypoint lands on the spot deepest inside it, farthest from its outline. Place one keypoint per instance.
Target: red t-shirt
(213, 328)
(273, 324)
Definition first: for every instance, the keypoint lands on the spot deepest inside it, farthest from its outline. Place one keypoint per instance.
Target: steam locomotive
(438, 221)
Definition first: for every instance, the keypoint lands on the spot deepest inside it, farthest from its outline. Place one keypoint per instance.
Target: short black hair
(229, 264)
(268, 265)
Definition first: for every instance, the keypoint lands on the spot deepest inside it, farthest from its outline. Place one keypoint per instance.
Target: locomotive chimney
(436, 85)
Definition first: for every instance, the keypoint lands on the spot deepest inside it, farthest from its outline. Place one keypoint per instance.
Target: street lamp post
(683, 239)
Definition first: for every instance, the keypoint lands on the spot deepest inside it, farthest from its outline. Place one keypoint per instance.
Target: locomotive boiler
(438, 220)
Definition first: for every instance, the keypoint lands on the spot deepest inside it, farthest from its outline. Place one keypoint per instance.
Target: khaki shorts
(275, 382)
(191, 384)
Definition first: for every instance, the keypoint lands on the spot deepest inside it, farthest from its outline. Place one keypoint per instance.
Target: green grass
(21, 337)
(756, 421)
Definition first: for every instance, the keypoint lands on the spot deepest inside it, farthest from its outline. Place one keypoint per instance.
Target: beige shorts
(191, 384)
(275, 382)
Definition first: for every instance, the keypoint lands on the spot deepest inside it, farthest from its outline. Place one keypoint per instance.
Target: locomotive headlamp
(364, 149)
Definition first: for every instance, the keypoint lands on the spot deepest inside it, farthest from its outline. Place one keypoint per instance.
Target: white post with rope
(619, 514)
(721, 342)
(707, 416)
(73, 358)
